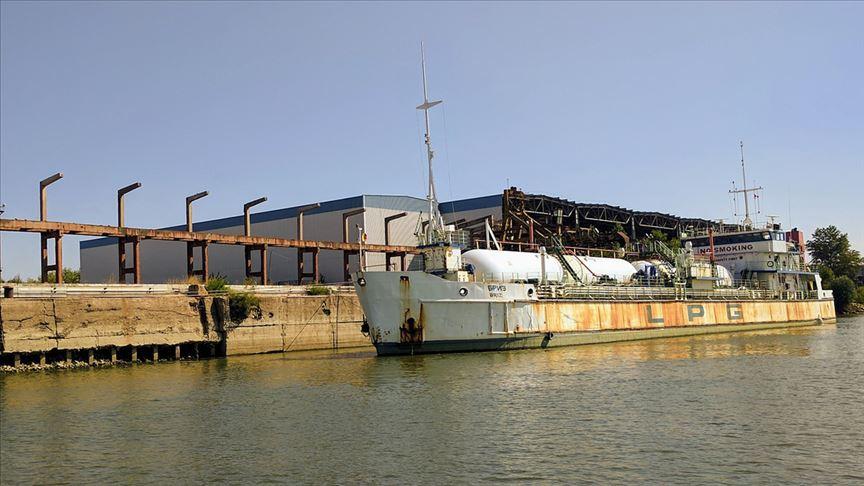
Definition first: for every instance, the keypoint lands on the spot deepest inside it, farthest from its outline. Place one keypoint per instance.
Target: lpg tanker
(480, 299)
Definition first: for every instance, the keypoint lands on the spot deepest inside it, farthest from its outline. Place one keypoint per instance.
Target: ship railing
(629, 292)
(507, 277)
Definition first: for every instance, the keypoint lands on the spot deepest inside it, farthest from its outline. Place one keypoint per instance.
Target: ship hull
(578, 338)
(418, 313)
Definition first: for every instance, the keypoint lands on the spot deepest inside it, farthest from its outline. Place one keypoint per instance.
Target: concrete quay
(39, 327)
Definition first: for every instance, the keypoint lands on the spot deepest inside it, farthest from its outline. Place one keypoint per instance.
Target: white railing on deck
(634, 292)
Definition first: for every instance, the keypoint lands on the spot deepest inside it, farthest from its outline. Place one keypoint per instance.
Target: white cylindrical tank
(507, 266)
(597, 269)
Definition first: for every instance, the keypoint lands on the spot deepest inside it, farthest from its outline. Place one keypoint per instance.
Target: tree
(830, 249)
(844, 293)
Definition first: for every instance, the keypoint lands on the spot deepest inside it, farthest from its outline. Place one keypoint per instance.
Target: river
(759, 407)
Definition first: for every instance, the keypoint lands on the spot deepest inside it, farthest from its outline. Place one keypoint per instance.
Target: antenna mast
(745, 190)
(435, 221)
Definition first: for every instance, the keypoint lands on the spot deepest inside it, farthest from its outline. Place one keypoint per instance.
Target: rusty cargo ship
(470, 298)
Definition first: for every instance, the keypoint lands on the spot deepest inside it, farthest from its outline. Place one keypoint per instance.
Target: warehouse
(165, 261)
(389, 220)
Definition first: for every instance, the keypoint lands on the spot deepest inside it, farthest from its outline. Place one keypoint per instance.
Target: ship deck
(663, 293)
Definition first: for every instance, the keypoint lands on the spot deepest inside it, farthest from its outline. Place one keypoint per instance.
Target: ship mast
(748, 223)
(436, 224)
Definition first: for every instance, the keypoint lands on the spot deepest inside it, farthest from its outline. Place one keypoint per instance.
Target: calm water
(764, 407)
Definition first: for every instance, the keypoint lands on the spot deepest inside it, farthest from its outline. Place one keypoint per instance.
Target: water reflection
(769, 406)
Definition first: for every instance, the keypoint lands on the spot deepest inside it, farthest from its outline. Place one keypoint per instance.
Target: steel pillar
(346, 254)
(135, 269)
(262, 273)
(47, 235)
(57, 266)
(389, 255)
(301, 253)
(204, 271)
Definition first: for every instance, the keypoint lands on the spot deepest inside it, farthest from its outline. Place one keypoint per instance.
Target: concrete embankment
(99, 328)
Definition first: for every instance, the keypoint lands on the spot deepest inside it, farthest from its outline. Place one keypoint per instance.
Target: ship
(740, 277)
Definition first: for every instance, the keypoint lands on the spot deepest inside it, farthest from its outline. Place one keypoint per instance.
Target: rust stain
(595, 316)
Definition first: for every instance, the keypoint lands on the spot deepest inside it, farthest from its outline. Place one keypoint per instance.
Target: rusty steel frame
(389, 255)
(301, 253)
(347, 253)
(121, 242)
(530, 218)
(260, 248)
(204, 272)
(33, 226)
(56, 230)
(55, 234)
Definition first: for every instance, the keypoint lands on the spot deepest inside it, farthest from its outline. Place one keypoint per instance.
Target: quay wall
(284, 323)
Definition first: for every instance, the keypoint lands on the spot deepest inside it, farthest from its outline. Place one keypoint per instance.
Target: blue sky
(634, 104)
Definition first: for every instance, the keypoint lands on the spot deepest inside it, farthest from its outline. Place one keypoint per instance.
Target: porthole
(530, 292)
(463, 291)
(361, 282)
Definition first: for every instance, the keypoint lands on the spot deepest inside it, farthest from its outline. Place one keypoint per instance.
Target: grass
(217, 283)
(317, 290)
(243, 304)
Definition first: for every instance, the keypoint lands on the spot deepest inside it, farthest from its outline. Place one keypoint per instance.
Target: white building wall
(163, 261)
(401, 233)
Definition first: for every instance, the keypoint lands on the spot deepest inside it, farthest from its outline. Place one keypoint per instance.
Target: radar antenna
(748, 223)
(436, 223)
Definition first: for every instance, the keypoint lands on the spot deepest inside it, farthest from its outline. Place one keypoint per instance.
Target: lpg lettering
(733, 312)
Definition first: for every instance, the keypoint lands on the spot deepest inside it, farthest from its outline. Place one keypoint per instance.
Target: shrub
(71, 276)
(317, 290)
(243, 304)
(844, 291)
(859, 297)
(216, 283)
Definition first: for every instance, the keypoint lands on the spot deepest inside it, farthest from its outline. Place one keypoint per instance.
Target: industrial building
(517, 219)
(390, 220)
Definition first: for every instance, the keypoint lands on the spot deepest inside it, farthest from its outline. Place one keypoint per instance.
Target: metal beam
(33, 226)
(301, 254)
(190, 246)
(189, 201)
(346, 254)
(247, 225)
(120, 207)
(389, 255)
(43, 197)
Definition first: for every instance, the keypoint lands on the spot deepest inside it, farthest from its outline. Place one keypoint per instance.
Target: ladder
(557, 250)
